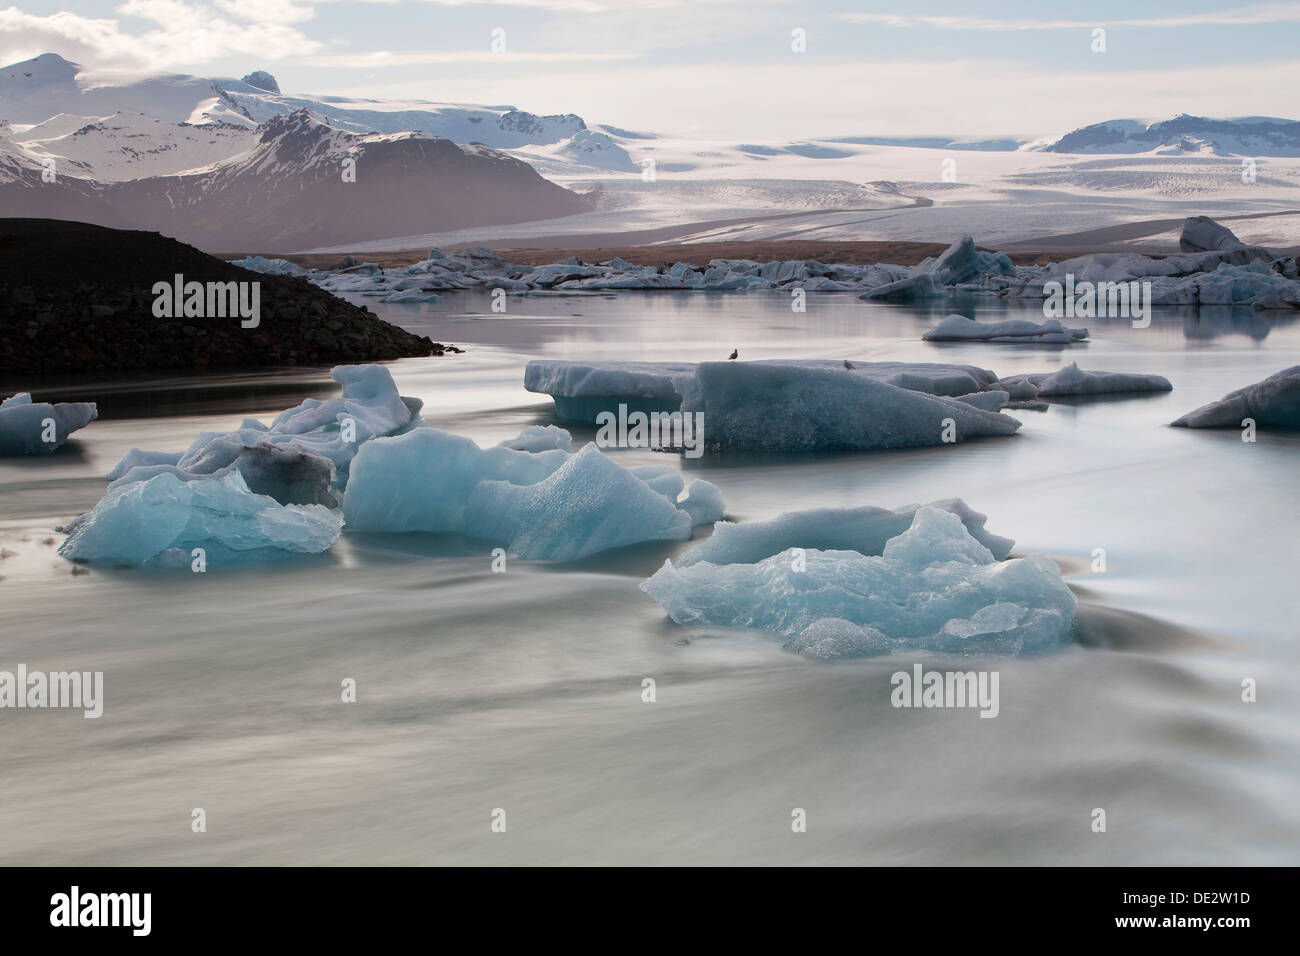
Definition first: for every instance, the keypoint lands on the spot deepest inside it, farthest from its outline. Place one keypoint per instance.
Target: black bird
(734, 353)
(848, 364)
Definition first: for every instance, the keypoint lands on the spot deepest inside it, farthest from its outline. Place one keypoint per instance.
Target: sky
(764, 70)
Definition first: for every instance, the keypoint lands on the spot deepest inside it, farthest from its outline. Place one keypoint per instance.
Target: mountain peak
(263, 81)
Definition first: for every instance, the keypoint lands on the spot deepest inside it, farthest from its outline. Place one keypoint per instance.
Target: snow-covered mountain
(1183, 135)
(37, 89)
(301, 182)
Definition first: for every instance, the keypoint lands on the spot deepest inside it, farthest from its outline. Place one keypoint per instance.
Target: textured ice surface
(548, 505)
(958, 328)
(1275, 402)
(959, 264)
(332, 430)
(23, 424)
(589, 504)
(162, 519)
(864, 529)
(933, 587)
(756, 405)
(1074, 381)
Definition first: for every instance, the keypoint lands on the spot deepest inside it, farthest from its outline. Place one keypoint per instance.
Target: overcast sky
(722, 69)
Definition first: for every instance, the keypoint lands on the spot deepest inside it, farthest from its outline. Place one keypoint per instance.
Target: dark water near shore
(522, 690)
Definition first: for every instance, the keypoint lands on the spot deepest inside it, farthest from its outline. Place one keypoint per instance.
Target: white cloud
(1263, 13)
(187, 31)
(381, 58)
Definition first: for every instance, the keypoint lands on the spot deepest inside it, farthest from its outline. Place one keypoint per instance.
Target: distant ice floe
(861, 582)
(958, 328)
(1073, 381)
(1212, 268)
(38, 428)
(1273, 402)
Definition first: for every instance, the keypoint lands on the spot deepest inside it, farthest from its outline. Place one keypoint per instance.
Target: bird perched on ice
(848, 364)
(734, 354)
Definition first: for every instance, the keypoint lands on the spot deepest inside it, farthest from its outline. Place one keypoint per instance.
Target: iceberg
(161, 520)
(540, 438)
(958, 328)
(761, 406)
(588, 504)
(544, 505)
(1074, 381)
(25, 425)
(864, 529)
(330, 430)
(1273, 402)
(582, 390)
(933, 587)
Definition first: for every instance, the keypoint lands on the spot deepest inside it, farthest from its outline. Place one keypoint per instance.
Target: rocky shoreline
(77, 297)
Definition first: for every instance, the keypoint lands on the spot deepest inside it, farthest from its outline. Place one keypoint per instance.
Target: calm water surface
(522, 691)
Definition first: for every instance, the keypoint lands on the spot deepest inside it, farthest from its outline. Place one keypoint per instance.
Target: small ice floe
(547, 504)
(169, 522)
(38, 428)
(958, 328)
(1273, 402)
(832, 588)
(1073, 381)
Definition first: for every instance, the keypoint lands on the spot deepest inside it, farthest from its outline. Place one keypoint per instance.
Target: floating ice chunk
(284, 472)
(548, 505)
(1073, 380)
(1275, 402)
(422, 481)
(25, 425)
(589, 504)
(934, 587)
(864, 529)
(958, 328)
(161, 520)
(763, 406)
(582, 390)
(959, 263)
(540, 438)
(369, 407)
(704, 503)
(1203, 234)
(990, 401)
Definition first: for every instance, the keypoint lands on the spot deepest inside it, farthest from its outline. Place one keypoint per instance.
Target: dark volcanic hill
(75, 296)
(306, 184)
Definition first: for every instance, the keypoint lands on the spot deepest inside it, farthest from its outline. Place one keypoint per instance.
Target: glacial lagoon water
(523, 691)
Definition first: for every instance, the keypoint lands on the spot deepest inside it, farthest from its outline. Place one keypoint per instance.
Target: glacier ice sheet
(160, 520)
(933, 587)
(25, 424)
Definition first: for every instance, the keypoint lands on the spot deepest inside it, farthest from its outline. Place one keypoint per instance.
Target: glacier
(933, 587)
(161, 520)
(25, 424)
(1273, 402)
